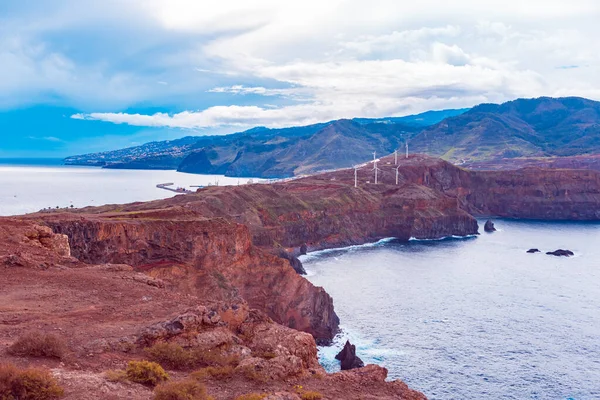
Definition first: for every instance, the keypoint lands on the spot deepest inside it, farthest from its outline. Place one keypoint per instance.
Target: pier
(167, 186)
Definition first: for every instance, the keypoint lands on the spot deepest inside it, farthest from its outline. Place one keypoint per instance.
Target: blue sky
(84, 76)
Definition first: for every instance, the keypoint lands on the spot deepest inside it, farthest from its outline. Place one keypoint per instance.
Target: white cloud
(312, 60)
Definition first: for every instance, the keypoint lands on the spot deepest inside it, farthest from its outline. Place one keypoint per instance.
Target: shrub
(252, 396)
(188, 389)
(267, 355)
(309, 395)
(219, 373)
(146, 373)
(116, 375)
(36, 344)
(213, 357)
(254, 375)
(173, 356)
(170, 355)
(29, 384)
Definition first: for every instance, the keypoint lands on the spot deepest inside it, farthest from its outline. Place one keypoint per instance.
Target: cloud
(46, 138)
(233, 63)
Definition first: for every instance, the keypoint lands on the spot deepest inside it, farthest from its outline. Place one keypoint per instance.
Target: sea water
(475, 318)
(42, 184)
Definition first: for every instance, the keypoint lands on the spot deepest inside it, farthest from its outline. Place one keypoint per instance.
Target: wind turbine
(407, 149)
(374, 158)
(375, 169)
(356, 167)
(396, 157)
(397, 168)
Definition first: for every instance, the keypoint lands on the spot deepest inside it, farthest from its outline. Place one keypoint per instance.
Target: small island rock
(348, 357)
(561, 253)
(532, 251)
(489, 226)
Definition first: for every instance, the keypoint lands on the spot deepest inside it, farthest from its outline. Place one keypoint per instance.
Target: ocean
(474, 318)
(31, 185)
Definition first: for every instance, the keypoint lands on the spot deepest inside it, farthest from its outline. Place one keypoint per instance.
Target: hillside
(522, 128)
(264, 152)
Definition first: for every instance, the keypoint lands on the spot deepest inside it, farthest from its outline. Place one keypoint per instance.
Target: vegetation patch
(252, 396)
(170, 356)
(218, 373)
(146, 372)
(188, 389)
(37, 344)
(116, 375)
(28, 384)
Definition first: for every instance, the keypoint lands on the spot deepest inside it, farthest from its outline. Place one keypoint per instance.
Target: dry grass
(188, 389)
(37, 344)
(267, 355)
(173, 356)
(218, 373)
(28, 384)
(118, 375)
(310, 395)
(146, 372)
(170, 356)
(252, 396)
(253, 375)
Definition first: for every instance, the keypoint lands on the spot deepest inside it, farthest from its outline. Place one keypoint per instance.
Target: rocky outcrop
(348, 358)
(489, 226)
(533, 251)
(212, 259)
(294, 261)
(561, 253)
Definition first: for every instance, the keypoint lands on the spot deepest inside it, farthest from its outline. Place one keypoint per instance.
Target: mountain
(489, 136)
(264, 152)
(521, 128)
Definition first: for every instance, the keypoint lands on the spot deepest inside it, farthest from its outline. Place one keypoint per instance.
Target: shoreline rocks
(348, 358)
(533, 251)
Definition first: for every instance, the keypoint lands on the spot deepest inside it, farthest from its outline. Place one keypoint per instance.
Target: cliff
(210, 259)
(106, 315)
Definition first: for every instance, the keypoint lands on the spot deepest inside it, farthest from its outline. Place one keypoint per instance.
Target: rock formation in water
(561, 253)
(348, 358)
(533, 251)
(489, 226)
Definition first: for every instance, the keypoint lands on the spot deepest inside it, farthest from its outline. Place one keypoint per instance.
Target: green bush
(36, 344)
(29, 384)
(183, 390)
(146, 373)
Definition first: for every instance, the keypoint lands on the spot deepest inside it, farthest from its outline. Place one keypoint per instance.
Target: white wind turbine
(397, 168)
(396, 157)
(407, 149)
(375, 169)
(356, 168)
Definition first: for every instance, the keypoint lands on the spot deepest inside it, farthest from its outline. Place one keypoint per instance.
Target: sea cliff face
(106, 315)
(211, 259)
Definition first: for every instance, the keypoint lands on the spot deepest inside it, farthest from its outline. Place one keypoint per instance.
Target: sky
(82, 76)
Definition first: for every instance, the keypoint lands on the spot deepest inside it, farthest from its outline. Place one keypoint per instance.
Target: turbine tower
(407, 149)
(396, 157)
(375, 169)
(397, 168)
(356, 167)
